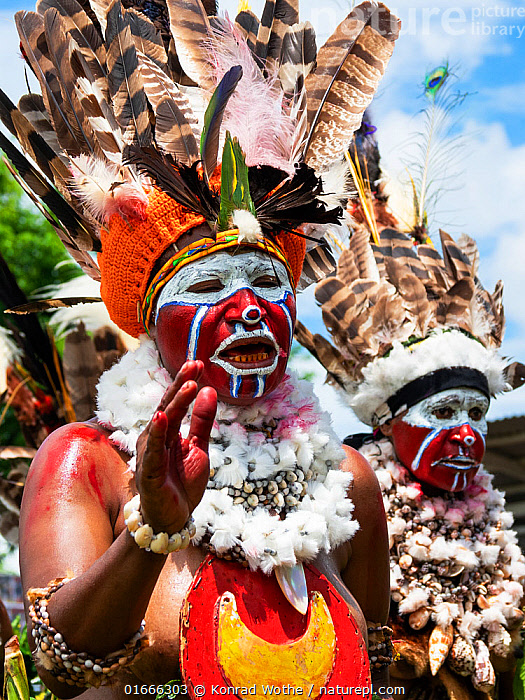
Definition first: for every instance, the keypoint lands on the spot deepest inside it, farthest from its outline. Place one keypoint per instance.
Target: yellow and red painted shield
(239, 631)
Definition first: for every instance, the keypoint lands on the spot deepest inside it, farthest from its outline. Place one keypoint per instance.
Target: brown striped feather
(398, 245)
(347, 270)
(248, 23)
(470, 250)
(413, 294)
(32, 142)
(456, 262)
(125, 81)
(32, 37)
(434, 266)
(260, 50)
(173, 132)
(33, 108)
(287, 12)
(324, 352)
(58, 44)
(275, 43)
(363, 254)
(190, 28)
(297, 56)
(81, 28)
(349, 68)
(318, 264)
(101, 8)
(147, 39)
(453, 309)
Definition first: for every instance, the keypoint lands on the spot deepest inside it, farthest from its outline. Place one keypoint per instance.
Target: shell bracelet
(145, 538)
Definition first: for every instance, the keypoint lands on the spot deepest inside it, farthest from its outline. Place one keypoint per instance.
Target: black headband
(439, 380)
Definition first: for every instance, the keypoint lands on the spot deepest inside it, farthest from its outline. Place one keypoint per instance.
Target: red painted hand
(172, 472)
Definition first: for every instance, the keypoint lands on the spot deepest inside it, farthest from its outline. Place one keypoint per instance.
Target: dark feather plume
(177, 180)
(294, 201)
(209, 145)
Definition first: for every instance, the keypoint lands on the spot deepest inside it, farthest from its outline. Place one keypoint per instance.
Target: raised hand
(172, 472)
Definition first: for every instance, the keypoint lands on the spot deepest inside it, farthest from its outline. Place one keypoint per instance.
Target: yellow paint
(248, 660)
(243, 6)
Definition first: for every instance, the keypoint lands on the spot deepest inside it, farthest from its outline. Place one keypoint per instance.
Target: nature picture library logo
(461, 20)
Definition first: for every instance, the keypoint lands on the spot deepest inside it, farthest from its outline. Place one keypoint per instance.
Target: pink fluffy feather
(255, 110)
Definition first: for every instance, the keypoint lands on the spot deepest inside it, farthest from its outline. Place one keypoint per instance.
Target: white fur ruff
(464, 534)
(385, 376)
(302, 441)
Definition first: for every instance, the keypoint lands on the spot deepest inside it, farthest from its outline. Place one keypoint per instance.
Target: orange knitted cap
(131, 249)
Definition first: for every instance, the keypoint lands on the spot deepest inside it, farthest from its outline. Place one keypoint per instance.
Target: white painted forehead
(234, 272)
(457, 396)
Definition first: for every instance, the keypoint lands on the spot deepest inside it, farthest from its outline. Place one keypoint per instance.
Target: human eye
(443, 412)
(476, 413)
(269, 281)
(213, 284)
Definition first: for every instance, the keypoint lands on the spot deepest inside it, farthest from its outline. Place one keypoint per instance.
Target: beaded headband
(195, 251)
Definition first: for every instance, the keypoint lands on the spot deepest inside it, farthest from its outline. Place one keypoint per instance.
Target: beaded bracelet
(79, 669)
(162, 543)
(380, 647)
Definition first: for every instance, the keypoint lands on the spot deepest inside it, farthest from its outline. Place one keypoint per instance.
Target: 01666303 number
(169, 690)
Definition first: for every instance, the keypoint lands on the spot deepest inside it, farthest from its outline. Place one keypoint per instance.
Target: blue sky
(485, 43)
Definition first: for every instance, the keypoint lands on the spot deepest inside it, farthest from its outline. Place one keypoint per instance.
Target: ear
(386, 428)
(153, 331)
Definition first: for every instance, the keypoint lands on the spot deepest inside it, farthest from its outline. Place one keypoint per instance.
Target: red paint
(173, 328)
(407, 440)
(266, 612)
(92, 476)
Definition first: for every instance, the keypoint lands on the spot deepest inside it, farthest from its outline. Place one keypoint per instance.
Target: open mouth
(457, 462)
(248, 352)
(252, 354)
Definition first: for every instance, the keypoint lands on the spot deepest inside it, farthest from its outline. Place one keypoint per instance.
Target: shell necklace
(454, 561)
(275, 497)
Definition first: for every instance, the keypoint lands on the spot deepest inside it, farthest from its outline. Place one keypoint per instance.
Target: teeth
(258, 357)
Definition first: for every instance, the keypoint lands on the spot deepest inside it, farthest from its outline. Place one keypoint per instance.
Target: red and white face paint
(441, 439)
(236, 313)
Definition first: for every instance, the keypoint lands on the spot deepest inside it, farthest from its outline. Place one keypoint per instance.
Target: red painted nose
(243, 308)
(465, 435)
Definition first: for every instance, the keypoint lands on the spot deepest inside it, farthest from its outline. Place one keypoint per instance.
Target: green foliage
(299, 353)
(519, 680)
(27, 242)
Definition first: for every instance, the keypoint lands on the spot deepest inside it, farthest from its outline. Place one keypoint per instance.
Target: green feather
(435, 80)
(209, 145)
(235, 187)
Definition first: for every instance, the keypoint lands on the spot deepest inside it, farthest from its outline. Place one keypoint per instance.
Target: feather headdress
(119, 120)
(398, 312)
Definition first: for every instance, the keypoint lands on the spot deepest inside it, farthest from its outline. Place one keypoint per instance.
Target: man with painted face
(209, 521)
(424, 335)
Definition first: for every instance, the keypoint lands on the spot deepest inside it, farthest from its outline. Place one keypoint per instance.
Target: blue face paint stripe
(261, 383)
(193, 337)
(423, 447)
(235, 385)
(286, 312)
(432, 435)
